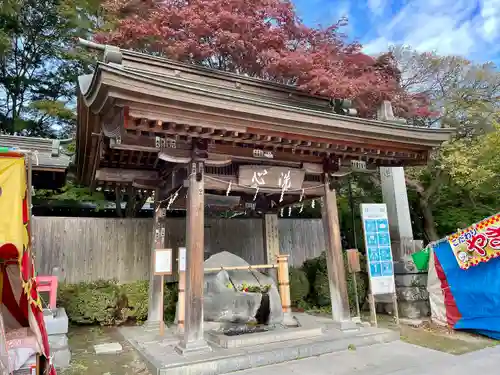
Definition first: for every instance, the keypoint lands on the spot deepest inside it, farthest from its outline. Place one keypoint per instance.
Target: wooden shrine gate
(194, 138)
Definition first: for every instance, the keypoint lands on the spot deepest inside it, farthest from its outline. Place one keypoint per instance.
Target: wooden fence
(88, 249)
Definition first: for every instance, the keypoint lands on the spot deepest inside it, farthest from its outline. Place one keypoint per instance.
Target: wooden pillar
(193, 340)
(181, 300)
(181, 313)
(271, 242)
(284, 287)
(155, 302)
(334, 257)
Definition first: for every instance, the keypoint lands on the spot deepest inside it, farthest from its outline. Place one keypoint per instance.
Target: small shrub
(317, 274)
(170, 295)
(108, 303)
(90, 303)
(299, 286)
(322, 290)
(314, 266)
(137, 297)
(362, 282)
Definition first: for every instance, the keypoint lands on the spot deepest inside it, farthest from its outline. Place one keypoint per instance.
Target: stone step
(270, 354)
(58, 342)
(406, 294)
(56, 324)
(108, 348)
(61, 358)
(268, 337)
(412, 279)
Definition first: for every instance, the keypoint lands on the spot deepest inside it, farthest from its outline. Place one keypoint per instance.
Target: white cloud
(490, 12)
(469, 28)
(376, 6)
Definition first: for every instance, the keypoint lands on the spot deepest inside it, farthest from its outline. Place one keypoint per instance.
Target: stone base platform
(319, 336)
(262, 338)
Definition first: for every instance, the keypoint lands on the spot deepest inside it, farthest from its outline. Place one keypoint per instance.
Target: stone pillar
(193, 340)
(410, 283)
(398, 210)
(334, 257)
(155, 303)
(56, 325)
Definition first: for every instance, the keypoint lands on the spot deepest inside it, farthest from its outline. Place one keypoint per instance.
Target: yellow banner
(12, 191)
(478, 243)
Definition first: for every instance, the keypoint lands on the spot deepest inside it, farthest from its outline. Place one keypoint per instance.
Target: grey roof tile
(47, 152)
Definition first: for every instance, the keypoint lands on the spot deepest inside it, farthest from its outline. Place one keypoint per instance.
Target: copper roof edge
(114, 66)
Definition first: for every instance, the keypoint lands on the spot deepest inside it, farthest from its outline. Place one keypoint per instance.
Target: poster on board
(163, 262)
(378, 248)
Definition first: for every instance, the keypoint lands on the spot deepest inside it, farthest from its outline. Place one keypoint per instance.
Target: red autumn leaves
(259, 38)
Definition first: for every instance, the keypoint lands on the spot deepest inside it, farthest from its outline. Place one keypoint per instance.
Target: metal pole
(353, 221)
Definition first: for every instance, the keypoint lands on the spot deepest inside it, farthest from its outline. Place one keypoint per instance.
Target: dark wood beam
(293, 151)
(353, 140)
(147, 184)
(125, 175)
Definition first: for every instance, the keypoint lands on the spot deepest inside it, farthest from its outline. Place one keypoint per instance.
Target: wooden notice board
(163, 262)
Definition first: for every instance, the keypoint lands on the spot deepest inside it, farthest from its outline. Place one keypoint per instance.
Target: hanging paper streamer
(172, 199)
(256, 192)
(301, 208)
(301, 195)
(313, 203)
(229, 188)
(281, 212)
(285, 183)
(289, 211)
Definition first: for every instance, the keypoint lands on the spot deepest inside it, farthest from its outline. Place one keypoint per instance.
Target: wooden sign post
(354, 267)
(162, 267)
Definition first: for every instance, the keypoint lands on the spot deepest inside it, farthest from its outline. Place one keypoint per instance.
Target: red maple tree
(259, 38)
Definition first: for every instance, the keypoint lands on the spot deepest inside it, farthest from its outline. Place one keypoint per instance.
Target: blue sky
(470, 28)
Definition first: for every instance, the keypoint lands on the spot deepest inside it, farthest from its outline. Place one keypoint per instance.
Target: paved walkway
(396, 358)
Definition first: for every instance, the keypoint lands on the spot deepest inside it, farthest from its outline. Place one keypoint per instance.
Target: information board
(163, 262)
(378, 248)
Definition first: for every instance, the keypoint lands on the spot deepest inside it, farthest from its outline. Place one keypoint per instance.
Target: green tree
(464, 96)
(40, 63)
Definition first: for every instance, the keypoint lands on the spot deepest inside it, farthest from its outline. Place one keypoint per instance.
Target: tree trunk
(424, 202)
(429, 223)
